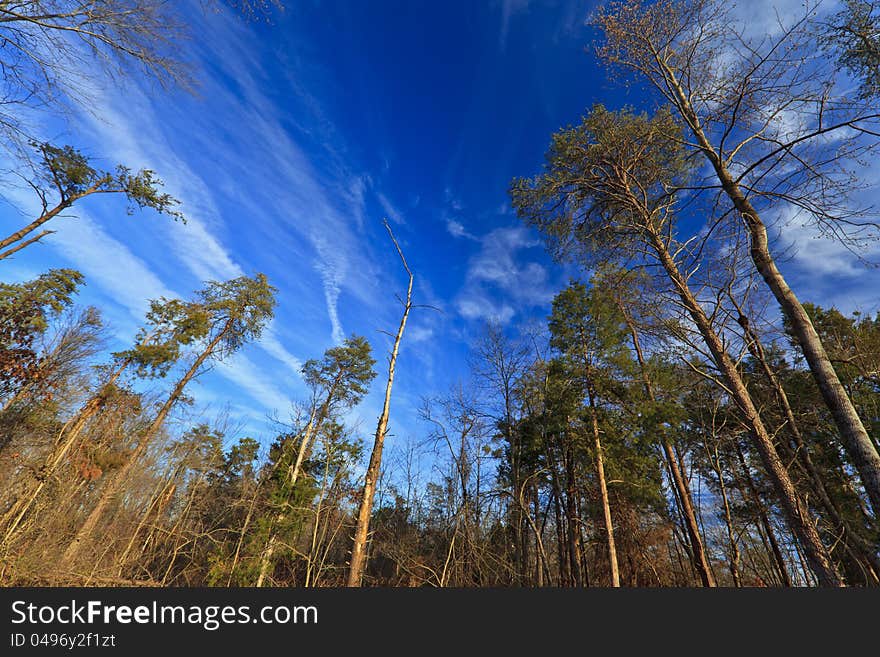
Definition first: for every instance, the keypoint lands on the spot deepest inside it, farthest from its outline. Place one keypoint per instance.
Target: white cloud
(760, 17)
(297, 199)
(244, 374)
(416, 334)
(817, 254)
(356, 190)
(499, 283)
(457, 230)
(825, 271)
(271, 344)
(332, 266)
(123, 276)
(475, 304)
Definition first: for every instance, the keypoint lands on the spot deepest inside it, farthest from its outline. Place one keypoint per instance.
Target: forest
(683, 416)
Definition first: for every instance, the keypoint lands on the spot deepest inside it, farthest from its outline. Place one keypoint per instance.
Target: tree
(620, 288)
(224, 317)
(734, 112)
(171, 325)
(590, 342)
(498, 363)
(65, 176)
(606, 193)
(365, 510)
(459, 430)
(338, 382)
(800, 454)
(25, 311)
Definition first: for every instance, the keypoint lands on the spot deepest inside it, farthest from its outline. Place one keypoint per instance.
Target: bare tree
(365, 510)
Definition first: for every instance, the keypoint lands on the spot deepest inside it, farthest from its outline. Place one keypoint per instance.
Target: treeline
(683, 419)
(601, 453)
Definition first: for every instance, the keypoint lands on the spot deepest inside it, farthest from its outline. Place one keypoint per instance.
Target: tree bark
(603, 492)
(359, 545)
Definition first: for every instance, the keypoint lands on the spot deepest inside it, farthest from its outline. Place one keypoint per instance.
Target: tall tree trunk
(582, 541)
(853, 434)
(359, 544)
(796, 512)
(728, 521)
(267, 558)
(603, 492)
(113, 486)
(572, 519)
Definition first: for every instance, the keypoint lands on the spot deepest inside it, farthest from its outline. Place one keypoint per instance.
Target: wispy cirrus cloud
(457, 229)
(509, 8)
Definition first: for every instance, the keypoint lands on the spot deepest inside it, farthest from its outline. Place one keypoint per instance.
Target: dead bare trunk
(266, 559)
(359, 545)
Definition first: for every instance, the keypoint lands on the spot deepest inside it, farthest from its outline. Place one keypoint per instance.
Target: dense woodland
(683, 418)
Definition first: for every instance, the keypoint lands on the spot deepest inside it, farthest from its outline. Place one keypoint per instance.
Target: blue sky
(306, 132)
